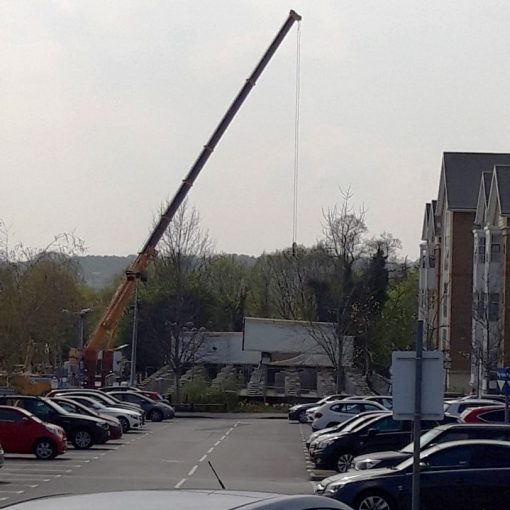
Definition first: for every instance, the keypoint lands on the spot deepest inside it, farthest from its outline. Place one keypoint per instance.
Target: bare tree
(180, 271)
(344, 231)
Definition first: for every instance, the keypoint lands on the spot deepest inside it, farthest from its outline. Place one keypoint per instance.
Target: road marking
(12, 492)
(19, 477)
(3, 499)
(192, 470)
(8, 470)
(179, 484)
(222, 438)
(210, 450)
(203, 458)
(217, 443)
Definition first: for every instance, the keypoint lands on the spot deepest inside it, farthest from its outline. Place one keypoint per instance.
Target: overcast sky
(104, 106)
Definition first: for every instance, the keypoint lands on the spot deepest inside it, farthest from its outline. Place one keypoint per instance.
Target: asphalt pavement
(247, 452)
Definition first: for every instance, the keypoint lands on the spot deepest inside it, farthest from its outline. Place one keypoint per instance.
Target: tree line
(347, 278)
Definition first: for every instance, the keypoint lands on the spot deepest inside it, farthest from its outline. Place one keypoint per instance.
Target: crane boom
(106, 327)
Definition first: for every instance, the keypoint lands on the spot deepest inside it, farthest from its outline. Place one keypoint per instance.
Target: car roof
(448, 426)
(181, 500)
(464, 442)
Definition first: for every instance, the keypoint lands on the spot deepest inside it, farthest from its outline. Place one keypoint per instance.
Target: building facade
(462, 268)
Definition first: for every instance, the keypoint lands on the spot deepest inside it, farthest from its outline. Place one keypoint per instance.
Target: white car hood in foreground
(181, 500)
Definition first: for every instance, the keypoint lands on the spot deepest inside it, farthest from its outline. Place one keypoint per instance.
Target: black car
(298, 411)
(380, 433)
(437, 435)
(82, 431)
(356, 421)
(155, 411)
(461, 475)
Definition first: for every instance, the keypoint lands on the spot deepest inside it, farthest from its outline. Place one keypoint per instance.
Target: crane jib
(109, 320)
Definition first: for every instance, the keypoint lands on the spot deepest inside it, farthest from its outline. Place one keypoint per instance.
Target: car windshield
(425, 439)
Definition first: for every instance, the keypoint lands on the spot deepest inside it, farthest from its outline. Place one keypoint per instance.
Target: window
(387, 424)
(481, 250)
(453, 458)
(493, 306)
(493, 457)
(432, 261)
(350, 408)
(10, 416)
(495, 252)
(445, 300)
(370, 407)
(493, 416)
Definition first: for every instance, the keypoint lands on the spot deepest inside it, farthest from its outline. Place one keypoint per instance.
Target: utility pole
(417, 416)
(134, 338)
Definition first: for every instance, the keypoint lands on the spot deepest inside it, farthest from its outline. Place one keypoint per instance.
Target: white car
(337, 412)
(128, 419)
(457, 407)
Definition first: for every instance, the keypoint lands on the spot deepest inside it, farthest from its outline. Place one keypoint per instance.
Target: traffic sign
(504, 380)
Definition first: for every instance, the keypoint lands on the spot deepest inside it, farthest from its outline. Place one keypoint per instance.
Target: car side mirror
(25, 420)
(372, 432)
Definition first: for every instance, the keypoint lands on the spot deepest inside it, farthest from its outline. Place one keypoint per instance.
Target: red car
(22, 432)
(486, 414)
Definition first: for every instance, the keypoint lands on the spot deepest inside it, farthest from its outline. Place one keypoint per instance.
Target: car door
(14, 430)
(449, 480)
(493, 476)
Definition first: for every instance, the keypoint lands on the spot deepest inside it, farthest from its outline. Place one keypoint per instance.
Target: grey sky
(104, 105)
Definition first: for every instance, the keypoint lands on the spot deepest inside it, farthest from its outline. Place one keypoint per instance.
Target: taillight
(317, 415)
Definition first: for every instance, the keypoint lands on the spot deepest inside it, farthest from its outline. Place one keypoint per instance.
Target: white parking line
(217, 443)
(4, 499)
(37, 471)
(210, 450)
(202, 458)
(192, 470)
(179, 484)
(13, 480)
(222, 438)
(12, 492)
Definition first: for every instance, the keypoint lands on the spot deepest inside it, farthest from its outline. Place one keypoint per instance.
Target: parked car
(381, 433)
(457, 407)
(107, 400)
(486, 414)
(127, 418)
(437, 435)
(83, 431)
(349, 424)
(155, 411)
(154, 395)
(114, 425)
(298, 411)
(332, 413)
(22, 432)
(460, 475)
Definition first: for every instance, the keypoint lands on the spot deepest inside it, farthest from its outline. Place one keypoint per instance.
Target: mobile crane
(102, 337)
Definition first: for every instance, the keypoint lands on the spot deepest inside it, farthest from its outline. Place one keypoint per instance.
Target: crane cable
(296, 142)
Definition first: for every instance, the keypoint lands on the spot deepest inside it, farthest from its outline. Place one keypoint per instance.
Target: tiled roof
(462, 174)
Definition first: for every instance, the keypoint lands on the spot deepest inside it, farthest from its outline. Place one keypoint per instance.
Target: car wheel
(44, 449)
(374, 501)
(302, 417)
(155, 415)
(82, 439)
(344, 462)
(124, 423)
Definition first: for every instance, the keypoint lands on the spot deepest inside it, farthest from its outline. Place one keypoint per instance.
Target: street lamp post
(134, 338)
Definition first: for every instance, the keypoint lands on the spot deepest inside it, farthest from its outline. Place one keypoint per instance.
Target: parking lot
(247, 452)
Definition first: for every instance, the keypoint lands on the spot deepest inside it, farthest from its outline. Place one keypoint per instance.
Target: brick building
(451, 279)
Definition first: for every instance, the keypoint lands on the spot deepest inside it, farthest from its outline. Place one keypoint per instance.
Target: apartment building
(456, 288)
